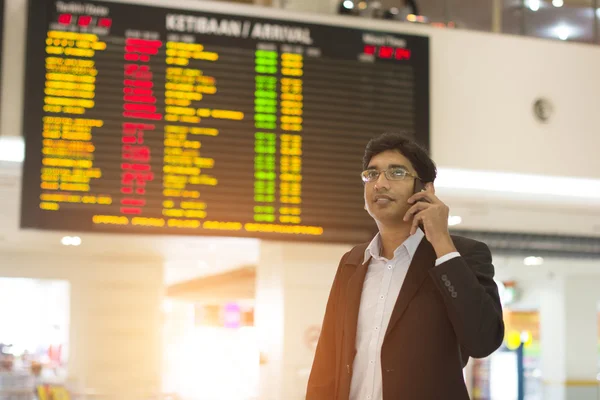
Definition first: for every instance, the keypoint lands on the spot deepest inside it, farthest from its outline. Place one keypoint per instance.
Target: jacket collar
(411, 244)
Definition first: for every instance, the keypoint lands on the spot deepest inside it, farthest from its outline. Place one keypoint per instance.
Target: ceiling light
(346, 7)
(362, 5)
(562, 32)
(392, 13)
(534, 5)
(71, 241)
(533, 261)
(454, 220)
(12, 148)
(558, 3)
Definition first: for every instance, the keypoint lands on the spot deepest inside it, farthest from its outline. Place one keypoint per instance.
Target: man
(407, 310)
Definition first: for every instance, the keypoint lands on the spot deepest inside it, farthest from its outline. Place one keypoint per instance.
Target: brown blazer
(443, 316)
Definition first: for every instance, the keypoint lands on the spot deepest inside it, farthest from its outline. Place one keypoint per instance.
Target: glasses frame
(385, 173)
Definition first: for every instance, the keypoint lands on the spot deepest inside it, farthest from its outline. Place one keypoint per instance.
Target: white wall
(293, 284)
(484, 87)
(532, 281)
(569, 338)
(115, 328)
(13, 67)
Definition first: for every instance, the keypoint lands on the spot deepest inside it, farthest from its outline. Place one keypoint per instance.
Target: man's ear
(430, 187)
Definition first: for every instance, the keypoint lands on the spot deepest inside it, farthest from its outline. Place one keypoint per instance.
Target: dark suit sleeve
(321, 383)
(472, 300)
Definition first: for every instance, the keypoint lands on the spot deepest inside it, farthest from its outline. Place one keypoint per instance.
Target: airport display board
(145, 119)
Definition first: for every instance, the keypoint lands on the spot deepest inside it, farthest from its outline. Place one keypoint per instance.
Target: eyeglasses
(392, 174)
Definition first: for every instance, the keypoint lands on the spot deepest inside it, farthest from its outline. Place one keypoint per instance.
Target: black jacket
(443, 316)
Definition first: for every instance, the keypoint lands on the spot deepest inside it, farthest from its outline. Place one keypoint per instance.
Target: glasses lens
(369, 175)
(396, 173)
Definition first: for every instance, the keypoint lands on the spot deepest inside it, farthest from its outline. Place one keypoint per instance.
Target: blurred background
(179, 180)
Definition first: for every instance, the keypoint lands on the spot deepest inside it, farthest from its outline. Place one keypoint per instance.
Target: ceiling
(239, 284)
(576, 16)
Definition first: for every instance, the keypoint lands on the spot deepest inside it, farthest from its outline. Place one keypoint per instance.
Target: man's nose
(382, 182)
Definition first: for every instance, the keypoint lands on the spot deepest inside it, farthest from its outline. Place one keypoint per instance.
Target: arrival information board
(144, 119)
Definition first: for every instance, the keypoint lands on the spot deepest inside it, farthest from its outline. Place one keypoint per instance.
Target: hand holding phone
(430, 214)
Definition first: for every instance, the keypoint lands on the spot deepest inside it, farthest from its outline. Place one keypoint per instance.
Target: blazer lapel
(353, 296)
(423, 260)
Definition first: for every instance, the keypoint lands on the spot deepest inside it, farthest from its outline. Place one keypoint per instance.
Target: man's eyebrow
(390, 166)
(398, 166)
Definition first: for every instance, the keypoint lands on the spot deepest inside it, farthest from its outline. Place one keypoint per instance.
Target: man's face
(387, 200)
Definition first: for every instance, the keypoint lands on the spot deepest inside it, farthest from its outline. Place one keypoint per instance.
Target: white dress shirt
(380, 291)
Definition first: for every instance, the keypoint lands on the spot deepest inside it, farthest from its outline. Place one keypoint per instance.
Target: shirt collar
(411, 244)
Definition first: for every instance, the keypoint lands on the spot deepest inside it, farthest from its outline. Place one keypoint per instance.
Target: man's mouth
(383, 199)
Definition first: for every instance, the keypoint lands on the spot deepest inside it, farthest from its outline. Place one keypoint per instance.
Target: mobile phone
(419, 187)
